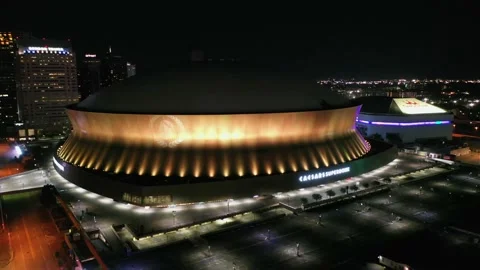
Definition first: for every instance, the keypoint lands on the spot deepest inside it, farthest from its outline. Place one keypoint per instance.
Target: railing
(82, 231)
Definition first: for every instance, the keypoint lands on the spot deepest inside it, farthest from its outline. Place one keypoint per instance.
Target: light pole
(174, 214)
(228, 206)
(298, 249)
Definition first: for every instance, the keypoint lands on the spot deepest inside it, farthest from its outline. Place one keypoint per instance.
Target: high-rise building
(114, 69)
(46, 83)
(89, 75)
(131, 70)
(8, 101)
(8, 94)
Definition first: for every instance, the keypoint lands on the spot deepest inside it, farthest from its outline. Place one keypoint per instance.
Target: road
(31, 233)
(26, 180)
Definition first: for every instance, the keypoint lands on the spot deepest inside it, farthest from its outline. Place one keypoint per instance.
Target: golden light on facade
(303, 160)
(239, 164)
(183, 165)
(323, 156)
(73, 148)
(212, 145)
(253, 163)
(132, 161)
(96, 152)
(211, 165)
(313, 158)
(338, 153)
(122, 160)
(197, 166)
(226, 165)
(268, 167)
(144, 162)
(292, 162)
(280, 163)
(331, 156)
(169, 164)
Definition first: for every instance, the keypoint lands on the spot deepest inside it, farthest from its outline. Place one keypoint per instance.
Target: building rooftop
(207, 91)
(400, 106)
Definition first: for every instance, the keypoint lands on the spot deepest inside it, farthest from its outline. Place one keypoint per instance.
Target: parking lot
(409, 224)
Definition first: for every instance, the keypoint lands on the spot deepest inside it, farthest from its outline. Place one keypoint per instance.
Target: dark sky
(376, 40)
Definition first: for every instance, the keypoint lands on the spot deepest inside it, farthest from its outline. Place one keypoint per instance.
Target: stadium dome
(212, 92)
(207, 135)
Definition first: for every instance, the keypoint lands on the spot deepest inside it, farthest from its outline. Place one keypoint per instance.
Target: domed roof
(212, 92)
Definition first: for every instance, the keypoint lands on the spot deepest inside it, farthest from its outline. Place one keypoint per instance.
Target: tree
(376, 137)
(394, 138)
(375, 183)
(365, 184)
(343, 190)
(354, 187)
(316, 196)
(330, 193)
(47, 196)
(304, 201)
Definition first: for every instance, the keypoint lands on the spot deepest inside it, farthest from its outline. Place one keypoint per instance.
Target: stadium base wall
(220, 190)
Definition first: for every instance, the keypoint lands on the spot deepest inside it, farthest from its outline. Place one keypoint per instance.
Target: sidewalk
(200, 229)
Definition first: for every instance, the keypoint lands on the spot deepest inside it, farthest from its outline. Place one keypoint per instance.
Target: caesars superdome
(206, 135)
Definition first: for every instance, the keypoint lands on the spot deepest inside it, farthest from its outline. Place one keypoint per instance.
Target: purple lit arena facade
(408, 127)
(405, 124)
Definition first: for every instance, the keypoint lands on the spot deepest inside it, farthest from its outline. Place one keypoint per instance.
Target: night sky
(393, 39)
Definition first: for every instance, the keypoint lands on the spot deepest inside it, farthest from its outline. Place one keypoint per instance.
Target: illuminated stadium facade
(408, 118)
(195, 137)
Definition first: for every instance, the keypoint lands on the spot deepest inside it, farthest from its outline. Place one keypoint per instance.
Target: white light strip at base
(58, 164)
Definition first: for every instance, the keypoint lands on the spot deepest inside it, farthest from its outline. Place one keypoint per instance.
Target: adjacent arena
(199, 136)
(407, 119)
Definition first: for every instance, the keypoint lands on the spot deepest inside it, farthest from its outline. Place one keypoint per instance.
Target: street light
(298, 249)
(174, 213)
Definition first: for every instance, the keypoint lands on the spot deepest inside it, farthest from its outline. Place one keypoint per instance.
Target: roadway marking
(42, 252)
(28, 238)
(21, 247)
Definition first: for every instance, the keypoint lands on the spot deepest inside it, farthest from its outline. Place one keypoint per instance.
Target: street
(31, 234)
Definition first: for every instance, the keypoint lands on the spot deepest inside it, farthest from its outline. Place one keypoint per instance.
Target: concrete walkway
(195, 231)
